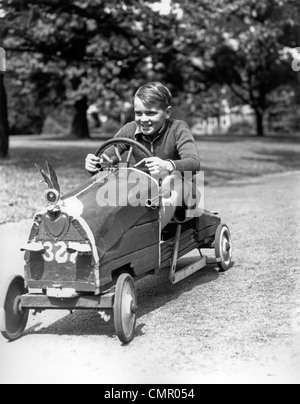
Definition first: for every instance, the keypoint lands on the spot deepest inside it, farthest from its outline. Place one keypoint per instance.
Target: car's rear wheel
(223, 248)
(14, 317)
(125, 308)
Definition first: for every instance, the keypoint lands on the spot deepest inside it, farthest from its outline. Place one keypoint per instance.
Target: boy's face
(150, 120)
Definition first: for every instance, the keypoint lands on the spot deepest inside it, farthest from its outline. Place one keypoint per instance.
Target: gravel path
(239, 327)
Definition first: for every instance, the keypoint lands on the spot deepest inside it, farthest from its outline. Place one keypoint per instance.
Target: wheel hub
(17, 307)
(133, 308)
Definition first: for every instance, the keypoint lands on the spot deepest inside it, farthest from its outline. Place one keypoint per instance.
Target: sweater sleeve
(187, 150)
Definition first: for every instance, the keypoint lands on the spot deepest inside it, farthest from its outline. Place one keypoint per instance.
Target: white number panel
(58, 252)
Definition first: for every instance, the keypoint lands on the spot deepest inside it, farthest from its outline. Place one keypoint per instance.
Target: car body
(84, 253)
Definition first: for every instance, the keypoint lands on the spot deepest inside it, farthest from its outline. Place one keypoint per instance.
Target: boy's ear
(169, 111)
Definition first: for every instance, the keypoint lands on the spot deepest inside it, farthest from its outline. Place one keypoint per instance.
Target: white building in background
(220, 125)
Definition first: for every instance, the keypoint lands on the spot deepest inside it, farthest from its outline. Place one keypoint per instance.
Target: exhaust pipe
(154, 203)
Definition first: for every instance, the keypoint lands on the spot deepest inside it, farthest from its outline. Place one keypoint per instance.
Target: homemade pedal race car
(85, 255)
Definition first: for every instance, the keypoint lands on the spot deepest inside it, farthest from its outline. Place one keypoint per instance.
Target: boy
(170, 141)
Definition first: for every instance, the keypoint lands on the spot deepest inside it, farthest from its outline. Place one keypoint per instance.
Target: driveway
(239, 327)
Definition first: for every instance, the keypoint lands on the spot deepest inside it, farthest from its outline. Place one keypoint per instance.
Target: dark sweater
(175, 142)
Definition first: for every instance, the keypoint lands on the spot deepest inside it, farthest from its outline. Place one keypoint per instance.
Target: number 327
(58, 252)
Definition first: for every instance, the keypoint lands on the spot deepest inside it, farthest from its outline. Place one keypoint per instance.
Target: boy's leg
(179, 192)
(173, 196)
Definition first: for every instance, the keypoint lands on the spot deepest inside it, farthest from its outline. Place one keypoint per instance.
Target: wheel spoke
(130, 145)
(108, 159)
(117, 151)
(129, 156)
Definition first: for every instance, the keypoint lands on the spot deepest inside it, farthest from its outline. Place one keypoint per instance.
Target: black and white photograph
(150, 194)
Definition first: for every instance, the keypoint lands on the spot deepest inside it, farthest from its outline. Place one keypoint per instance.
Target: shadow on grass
(222, 177)
(292, 139)
(255, 164)
(59, 158)
(65, 153)
(287, 159)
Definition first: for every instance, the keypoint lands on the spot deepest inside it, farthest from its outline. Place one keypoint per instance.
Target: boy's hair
(154, 93)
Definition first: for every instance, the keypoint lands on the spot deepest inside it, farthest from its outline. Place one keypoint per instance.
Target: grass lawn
(224, 159)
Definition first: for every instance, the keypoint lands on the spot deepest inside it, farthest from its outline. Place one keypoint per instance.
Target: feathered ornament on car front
(52, 195)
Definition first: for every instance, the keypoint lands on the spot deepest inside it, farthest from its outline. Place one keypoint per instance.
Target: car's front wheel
(14, 318)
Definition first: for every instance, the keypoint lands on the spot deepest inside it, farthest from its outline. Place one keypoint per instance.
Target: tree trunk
(4, 130)
(260, 127)
(80, 127)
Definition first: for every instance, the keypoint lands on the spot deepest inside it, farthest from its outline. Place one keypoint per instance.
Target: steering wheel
(125, 141)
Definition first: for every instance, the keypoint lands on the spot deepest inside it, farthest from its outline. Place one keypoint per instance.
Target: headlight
(52, 196)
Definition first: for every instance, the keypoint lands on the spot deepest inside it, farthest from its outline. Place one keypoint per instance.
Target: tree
(96, 48)
(253, 60)
(245, 46)
(79, 51)
(4, 129)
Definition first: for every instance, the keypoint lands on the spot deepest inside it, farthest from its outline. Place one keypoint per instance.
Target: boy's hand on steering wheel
(157, 166)
(92, 163)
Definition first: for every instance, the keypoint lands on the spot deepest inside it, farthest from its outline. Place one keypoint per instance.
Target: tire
(125, 308)
(223, 248)
(14, 317)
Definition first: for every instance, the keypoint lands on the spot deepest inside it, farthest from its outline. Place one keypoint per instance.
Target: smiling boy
(170, 141)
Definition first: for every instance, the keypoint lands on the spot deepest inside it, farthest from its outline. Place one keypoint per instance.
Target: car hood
(111, 203)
